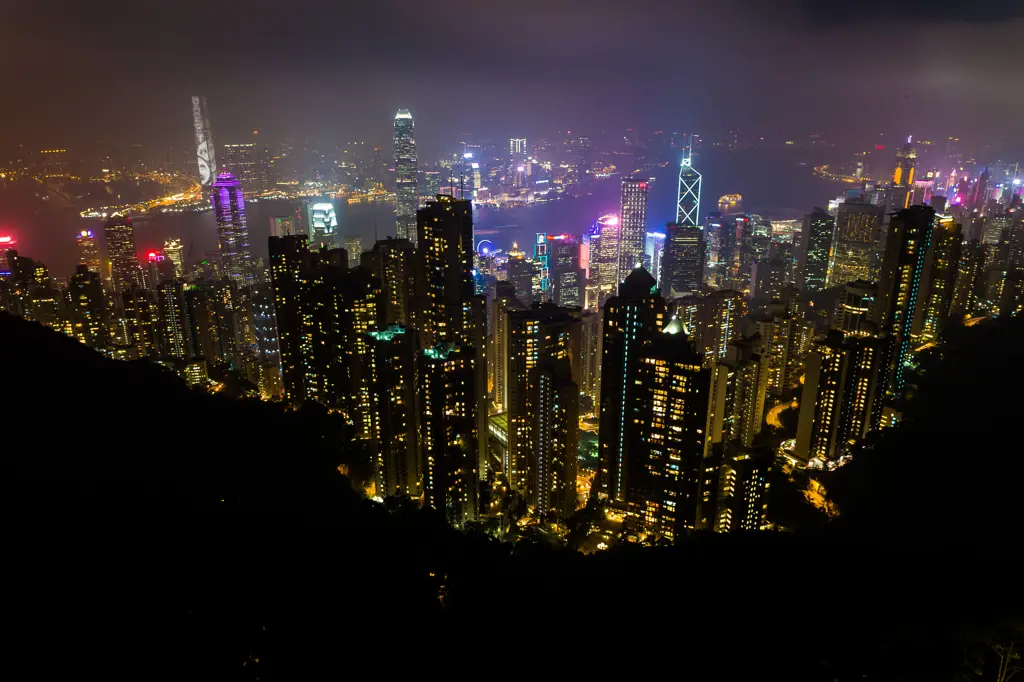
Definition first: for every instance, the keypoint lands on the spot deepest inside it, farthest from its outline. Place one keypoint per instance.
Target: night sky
(122, 71)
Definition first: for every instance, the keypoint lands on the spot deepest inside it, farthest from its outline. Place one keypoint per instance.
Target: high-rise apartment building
(967, 289)
(504, 301)
(632, 225)
(717, 322)
(855, 310)
(289, 270)
(232, 230)
(742, 503)
(392, 261)
(777, 331)
(88, 310)
(910, 234)
(858, 233)
(682, 261)
(631, 320)
(814, 248)
(89, 251)
(406, 190)
(172, 251)
(543, 406)
(841, 400)
(392, 381)
(124, 261)
(739, 384)
(172, 328)
(938, 279)
(136, 322)
(445, 258)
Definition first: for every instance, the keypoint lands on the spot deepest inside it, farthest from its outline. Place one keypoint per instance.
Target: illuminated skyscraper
(968, 286)
(841, 401)
(910, 234)
(240, 161)
(504, 301)
(136, 323)
(406, 191)
(857, 236)
(172, 322)
(205, 154)
(688, 199)
(87, 307)
(172, 250)
(632, 225)
(682, 262)
(448, 430)
(392, 373)
(289, 270)
(543, 406)
(88, 250)
(855, 311)
(903, 176)
(392, 260)
(666, 435)
(742, 503)
(631, 320)
(607, 262)
(232, 230)
(813, 250)
(322, 223)
(717, 322)
(738, 389)
(565, 274)
(124, 262)
(354, 248)
(777, 332)
(7, 243)
(938, 279)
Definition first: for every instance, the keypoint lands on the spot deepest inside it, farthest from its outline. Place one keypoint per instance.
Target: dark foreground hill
(155, 532)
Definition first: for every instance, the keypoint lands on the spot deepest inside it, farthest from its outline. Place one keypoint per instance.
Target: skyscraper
(607, 261)
(718, 318)
(392, 260)
(240, 161)
(814, 247)
(738, 389)
(232, 230)
(172, 250)
(543, 406)
(857, 236)
(406, 191)
(88, 250)
(903, 176)
(841, 400)
(632, 225)
(172, 321)
(354, 247)
(565, 274)
(205, 154)
(910, 233)
(855, 310)
(289, 270)
(631, 320)
(682, 262)
(504, 300)
(688, 198)
(124, 262)
(87, 307)
(392, 373)
(322, 225)
(938, 279)
(446, 260)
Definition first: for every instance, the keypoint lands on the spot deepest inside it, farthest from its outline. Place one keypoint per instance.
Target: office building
(813, 250)
(392, 261)
(910, 233)
(89, 251)
(903, 175)
(632, 225)
(631, 320)
(236, 261)
(688, 198)
(406, 191)
(7, 243)
(855, 247)
(240, 160)
(392, 379)
(564, 271)
(322, 225)
(88, 319)
(717, 320)
(608, 233)
(682, 263)
(282, 226)
(841, 400)
(354, 248)
(173, 253)
(521, 273)
(938, 280)
(124, 261)
(158, 270)
(543, 406)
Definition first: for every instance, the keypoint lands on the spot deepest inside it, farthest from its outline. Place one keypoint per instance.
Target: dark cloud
(115, 69)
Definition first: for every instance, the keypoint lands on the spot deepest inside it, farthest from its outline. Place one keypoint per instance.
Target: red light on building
(879, 146)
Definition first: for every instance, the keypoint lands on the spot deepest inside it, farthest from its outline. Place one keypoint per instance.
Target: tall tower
(813, 251)
(688, 201)
(609, 229)
(86, 295)
(172, 249)
(205, 154)
(938, 279)
(682, 262)
(910, 234)
(392, 260)
(172, 328)
(632, 225)
(289, 265)
(857, 236)
(903, 176)
(88, 250)
(406, 191)
(124, 262)
(232, 229)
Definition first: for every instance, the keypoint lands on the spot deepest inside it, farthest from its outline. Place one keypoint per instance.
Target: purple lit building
(232, 232)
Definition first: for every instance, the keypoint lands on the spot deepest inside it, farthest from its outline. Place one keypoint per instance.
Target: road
(772, 416)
